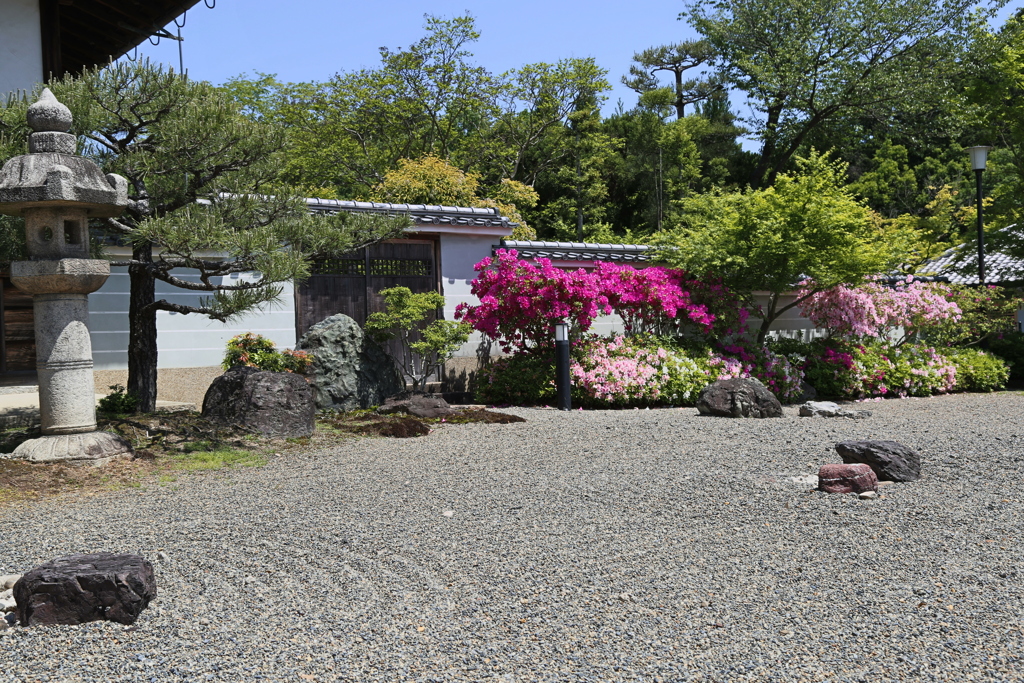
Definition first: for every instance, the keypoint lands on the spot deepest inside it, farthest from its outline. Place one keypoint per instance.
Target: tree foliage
(807, 227)
(803, 64)
(205, 201)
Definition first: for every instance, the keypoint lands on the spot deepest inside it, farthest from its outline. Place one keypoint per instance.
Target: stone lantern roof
(52, 176)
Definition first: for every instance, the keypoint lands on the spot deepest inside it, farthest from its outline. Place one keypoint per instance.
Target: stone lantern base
(91, 448)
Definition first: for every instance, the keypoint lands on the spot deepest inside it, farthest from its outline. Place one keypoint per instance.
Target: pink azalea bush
(843, 369)
(627, 372)
(875, 310)
(632, 371)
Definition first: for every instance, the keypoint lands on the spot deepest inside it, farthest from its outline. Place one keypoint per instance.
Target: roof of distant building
(998, 266)
(577, 251)
(423, 215)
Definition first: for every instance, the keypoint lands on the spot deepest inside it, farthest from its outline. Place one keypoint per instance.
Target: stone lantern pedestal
(57, 192)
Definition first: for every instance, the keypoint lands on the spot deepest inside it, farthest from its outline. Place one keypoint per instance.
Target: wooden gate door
(349, 284)
(17, 330)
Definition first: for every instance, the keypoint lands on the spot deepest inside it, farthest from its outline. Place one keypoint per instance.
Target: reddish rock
(855, 478)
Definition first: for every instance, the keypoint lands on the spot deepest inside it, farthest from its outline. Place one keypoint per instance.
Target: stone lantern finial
(48, 115)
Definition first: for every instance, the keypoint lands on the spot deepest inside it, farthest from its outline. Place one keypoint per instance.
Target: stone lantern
(57, 192)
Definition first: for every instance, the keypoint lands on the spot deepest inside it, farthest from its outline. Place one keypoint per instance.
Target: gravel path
(590, 546)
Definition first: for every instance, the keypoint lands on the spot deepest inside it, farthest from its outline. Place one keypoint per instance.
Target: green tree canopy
(808, 226)
(802, 64)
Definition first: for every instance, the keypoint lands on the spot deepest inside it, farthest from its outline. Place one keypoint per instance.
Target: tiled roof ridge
(576, 251)
(421, 214)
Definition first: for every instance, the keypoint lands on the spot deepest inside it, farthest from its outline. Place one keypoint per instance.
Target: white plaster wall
(459, 253)
(21, 49)
(184, 341)
(790, 320)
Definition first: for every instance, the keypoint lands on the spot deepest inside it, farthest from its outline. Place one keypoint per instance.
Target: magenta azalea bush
(879, 311)
(520, 301)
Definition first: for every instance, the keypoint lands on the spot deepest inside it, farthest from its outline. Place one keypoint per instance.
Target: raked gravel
(650, 545)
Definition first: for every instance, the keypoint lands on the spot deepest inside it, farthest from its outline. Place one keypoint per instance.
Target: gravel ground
(589, 546)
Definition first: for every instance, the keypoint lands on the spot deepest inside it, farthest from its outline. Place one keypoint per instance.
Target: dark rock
(349, 369)
(738, 397)
(847, 479)
(420, 405)
(807, 393)
(891, 461)
(81, 588)
(276, 404)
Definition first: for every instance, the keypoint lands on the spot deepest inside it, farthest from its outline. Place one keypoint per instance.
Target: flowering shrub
(635, 372)
(901, 371)
(520, 301)
(874, 310)
(650, 299)
(775, 370)
(847, 370)
(631, 371)
(256, 351)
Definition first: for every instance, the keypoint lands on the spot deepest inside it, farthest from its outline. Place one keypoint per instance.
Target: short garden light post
(562, 380)
(979, 155)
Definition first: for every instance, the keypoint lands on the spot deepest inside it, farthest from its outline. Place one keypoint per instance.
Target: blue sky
(311, 40)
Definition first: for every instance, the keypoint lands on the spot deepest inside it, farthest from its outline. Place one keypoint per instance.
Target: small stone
(420, 405)
(8, 605)
(11, 619)
(868, 495)
(855, 478)
(163, 557)
(820, 409)
(811, 479)
(8, 580)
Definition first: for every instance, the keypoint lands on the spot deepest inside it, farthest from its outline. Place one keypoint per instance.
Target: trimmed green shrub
(526, 378)
(977, 370)
(118, 401)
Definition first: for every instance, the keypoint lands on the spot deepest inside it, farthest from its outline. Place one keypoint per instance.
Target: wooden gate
(17, 330)
(349, 284)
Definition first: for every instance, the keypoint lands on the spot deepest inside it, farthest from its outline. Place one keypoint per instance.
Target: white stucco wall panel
(459, 253)
(184, 340)
(21, 49)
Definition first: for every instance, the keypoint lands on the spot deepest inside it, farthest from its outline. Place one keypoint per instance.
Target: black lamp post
(979, 155)
(562, 379)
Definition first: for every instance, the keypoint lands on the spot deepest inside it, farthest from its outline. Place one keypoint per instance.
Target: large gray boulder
(349, 370)
(738, 397)
(80, 588)
(890, 460)
(277, 404)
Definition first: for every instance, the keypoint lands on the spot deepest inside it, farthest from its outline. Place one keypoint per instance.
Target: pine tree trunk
(142, 349)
